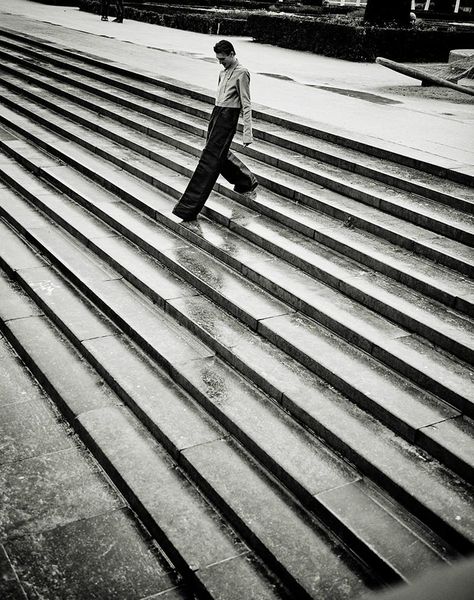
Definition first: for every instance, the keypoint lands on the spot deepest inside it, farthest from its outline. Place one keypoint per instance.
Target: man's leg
(119, 11)
(237, 173)
(104, 10)
(220, 133)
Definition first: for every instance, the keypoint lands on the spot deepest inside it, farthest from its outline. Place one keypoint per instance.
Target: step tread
(428, 208)
(305, 140)
(123, 178)
(158, 491)
(423, 270)
(199, 267)
(268, 373)
(206, 367)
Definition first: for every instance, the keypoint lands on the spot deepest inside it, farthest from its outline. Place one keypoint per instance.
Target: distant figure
(104, 10)
(119, 11)
(233, 96)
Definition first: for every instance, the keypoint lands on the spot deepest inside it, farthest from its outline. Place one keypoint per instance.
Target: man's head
(225, 53)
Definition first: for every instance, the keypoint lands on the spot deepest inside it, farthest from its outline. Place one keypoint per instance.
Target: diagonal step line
(177, 87)
(460, 301)
(78, 343)
(153, 250)
(191, 388)
(347, 189)
(327, 374)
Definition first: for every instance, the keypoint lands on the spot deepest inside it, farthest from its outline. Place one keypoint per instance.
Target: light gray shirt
(234, 91)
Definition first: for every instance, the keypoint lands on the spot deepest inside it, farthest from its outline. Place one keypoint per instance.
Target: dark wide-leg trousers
(215, 159)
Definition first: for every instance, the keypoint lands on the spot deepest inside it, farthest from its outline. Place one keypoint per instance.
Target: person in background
(118, 11)
(233, 97)
(104, 10)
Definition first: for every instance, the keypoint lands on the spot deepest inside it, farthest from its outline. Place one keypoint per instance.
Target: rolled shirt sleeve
(243, 87)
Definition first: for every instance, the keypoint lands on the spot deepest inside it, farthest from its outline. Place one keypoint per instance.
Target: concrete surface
(362, 99)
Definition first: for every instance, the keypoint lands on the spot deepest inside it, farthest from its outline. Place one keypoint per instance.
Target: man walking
(233, 96)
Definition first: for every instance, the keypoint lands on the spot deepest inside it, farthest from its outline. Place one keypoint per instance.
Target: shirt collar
(230, 68)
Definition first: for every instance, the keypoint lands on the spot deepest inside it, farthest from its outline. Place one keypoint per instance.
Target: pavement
(362, 100)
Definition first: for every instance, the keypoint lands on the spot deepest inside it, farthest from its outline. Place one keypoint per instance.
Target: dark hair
(224, 47)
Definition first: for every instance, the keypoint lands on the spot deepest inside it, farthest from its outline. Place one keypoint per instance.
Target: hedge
(352, 40)
(209, 22)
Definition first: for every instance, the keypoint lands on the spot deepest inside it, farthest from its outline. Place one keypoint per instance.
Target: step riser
(347, 190)
(319, 512)
(365, 402)
(410, 502)
(359, 145)
(403, 368)
(304, 496)
(420, 220)
(395, 238)
(166, 543)
(452, 301)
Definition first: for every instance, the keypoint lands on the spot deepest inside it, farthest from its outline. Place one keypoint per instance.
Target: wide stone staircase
(289, 379)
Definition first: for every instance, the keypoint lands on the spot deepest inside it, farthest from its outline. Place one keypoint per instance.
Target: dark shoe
(251, 189)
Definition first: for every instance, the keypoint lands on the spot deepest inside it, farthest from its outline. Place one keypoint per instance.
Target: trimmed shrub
(350, 39)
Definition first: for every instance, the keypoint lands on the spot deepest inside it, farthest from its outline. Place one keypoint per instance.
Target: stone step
(270, 125)
(381, 391)
(406, 353)
(141, 387)
(190, 531)
(62, 509)
(106, 422)
(431, 279)
(370, 218)
(357, 287)
(190, 382)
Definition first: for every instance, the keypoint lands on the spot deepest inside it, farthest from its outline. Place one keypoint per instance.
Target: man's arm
(243, 85)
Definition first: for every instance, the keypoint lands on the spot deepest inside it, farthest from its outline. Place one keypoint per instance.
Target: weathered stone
(16, 385)
(74, 384)
(74, 256)
(170, 413)
(29, 429)
(169, 505)
(10, 587)
(146, 273)
(297, 458)
(15, 253)
(167, 341)
(47, 491)
(408, 473)
(274, 525)
(236, 579)
(232, 292)
(15, 304)
(452, 441)
(99, 557)
(387, 537)
(62, 301)
(397, 402)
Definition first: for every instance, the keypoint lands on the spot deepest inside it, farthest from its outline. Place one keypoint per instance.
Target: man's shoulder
(241, 70)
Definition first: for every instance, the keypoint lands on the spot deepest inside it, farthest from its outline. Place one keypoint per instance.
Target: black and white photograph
(236, 300)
